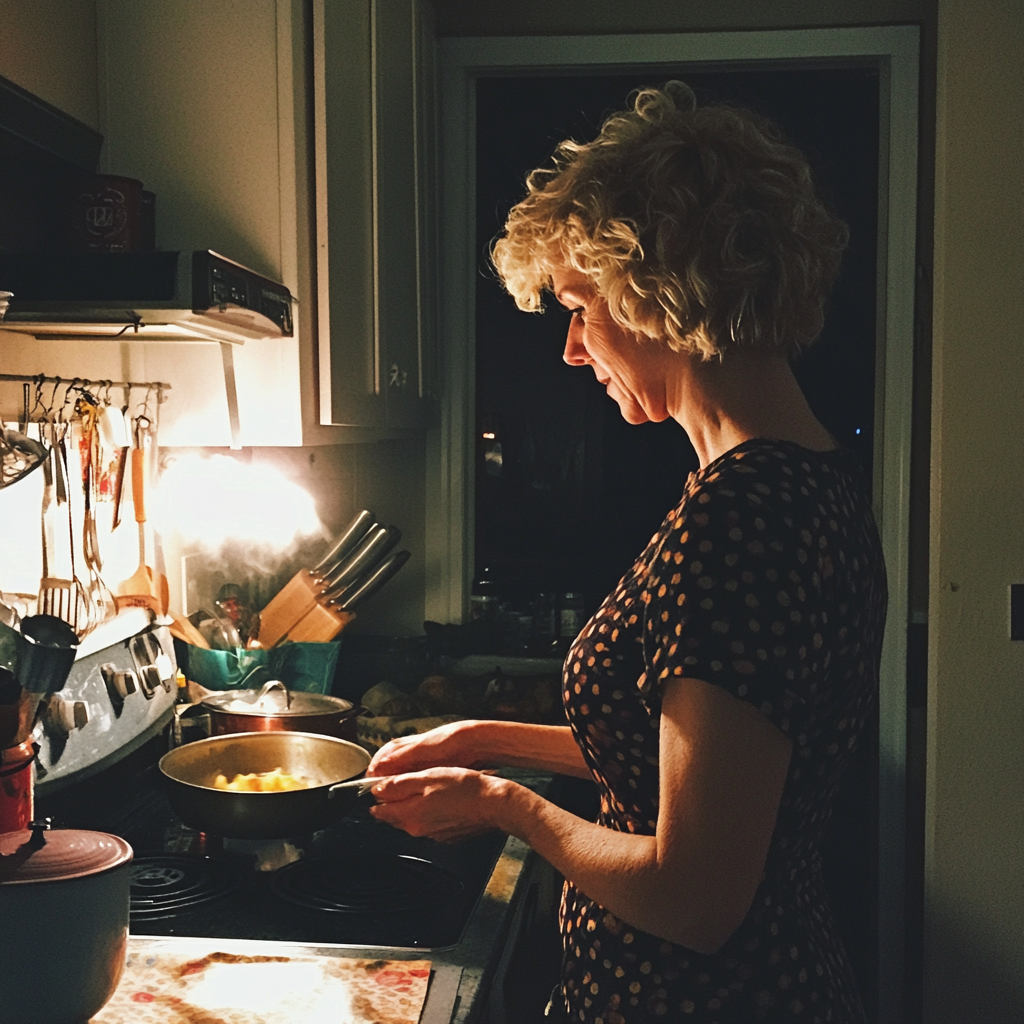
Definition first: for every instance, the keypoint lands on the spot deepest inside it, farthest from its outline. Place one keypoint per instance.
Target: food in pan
(274, 781)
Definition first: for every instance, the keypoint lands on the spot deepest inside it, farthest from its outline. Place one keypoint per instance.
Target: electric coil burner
(163, 885)
(359, 886)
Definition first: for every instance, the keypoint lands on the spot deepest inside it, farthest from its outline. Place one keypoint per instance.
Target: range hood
(149, 296)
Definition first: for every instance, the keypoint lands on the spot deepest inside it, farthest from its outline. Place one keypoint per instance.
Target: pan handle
(361, 786)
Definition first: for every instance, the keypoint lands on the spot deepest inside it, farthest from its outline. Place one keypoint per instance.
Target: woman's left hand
(447, 804)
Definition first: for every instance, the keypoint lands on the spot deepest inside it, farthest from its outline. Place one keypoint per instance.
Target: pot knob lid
(42, 854)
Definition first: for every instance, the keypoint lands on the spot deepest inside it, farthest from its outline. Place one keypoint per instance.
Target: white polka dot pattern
(767, 579)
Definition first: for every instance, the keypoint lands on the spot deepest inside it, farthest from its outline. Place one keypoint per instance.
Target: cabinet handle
(398, 378)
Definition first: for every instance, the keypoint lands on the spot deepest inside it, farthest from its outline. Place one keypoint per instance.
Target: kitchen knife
(363, 590)
(346, 543)
(375, 546)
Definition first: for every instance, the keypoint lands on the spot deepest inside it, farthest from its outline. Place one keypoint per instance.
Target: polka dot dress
(767, 579)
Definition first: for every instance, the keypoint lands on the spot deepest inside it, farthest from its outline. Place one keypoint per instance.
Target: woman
(716, 695)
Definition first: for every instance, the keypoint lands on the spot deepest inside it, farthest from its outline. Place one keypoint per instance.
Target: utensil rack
(18, 454)
(83, 382)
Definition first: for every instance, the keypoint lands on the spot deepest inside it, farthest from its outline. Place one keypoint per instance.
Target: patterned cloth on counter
(230, 988)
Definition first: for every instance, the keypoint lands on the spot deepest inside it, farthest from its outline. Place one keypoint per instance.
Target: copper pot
(275, 708)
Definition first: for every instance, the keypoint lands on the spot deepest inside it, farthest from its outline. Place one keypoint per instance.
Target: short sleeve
(729, 598)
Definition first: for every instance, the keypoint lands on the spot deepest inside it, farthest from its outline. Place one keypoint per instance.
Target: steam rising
(213, 501)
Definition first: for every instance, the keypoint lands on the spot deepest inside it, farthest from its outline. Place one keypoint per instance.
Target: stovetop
(359, 882)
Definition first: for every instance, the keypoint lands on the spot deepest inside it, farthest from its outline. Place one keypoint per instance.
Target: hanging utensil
(19, 455)
(137, 591)
(122, 463)
(61, 597)
(103, 600)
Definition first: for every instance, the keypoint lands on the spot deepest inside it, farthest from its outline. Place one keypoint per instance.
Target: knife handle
(363, 590)
(347, 542)
(377, 544)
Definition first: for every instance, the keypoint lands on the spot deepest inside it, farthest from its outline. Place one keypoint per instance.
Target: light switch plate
(1017, 611)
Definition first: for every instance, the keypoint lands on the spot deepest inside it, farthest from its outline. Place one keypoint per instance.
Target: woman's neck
(721, 404)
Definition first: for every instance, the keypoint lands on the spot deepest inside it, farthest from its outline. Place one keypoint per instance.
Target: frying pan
(189, 772)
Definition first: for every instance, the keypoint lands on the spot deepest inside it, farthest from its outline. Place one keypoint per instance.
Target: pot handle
(21, 765)
(356, 711)
(275, 687)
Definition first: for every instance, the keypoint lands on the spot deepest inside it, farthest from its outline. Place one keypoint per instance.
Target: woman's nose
(575, 353)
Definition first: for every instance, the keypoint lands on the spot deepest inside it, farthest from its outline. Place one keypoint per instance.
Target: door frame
(893, 50)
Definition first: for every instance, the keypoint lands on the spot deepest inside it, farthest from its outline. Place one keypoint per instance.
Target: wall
(49, 48)
(974, 881)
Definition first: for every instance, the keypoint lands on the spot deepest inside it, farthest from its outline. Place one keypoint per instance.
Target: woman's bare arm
(482, 744)
(722, 767)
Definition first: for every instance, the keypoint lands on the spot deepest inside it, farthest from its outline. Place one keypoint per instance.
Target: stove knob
(64, 716)
(119, 684)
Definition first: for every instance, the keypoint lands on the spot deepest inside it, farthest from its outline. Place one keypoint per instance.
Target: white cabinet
(211, 104)
(373, 98)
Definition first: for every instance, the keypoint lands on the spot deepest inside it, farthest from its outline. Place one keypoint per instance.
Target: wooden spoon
(138, 591)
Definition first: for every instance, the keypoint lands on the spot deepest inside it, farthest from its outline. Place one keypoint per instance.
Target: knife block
(320, 624)
(288, 606)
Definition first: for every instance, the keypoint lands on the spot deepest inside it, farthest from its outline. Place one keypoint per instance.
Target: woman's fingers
(443, 803)
(444, 745)
(400, 787)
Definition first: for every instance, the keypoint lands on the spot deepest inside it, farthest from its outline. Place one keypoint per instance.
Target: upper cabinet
(373, 98)
(287, 135)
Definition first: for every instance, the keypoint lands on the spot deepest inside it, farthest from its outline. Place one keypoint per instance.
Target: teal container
(306, 667)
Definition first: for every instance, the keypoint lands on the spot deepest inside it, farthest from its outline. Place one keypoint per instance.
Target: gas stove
(358, 883)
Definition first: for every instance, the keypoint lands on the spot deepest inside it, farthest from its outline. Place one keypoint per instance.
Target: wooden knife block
(288, 606)
(319, 624)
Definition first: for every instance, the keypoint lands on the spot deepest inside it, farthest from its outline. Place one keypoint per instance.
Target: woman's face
(628, 366)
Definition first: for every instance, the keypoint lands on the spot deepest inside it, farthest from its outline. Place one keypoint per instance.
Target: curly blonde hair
(699, 226)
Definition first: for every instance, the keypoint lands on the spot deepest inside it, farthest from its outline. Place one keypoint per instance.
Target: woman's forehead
(568, 280)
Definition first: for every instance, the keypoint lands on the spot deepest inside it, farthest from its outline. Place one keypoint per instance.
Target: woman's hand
(447, 804)
(448, 745)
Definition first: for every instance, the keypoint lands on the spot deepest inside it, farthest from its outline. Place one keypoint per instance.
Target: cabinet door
(346, 287)
(369, 173)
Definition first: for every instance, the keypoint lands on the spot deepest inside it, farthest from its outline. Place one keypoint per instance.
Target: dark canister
(106, 215)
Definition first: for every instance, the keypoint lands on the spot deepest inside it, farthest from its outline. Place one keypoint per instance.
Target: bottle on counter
(571, 618)
(545, 625)
(483, 602)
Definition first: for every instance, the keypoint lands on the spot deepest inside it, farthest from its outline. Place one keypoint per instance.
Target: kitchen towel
(173, 987)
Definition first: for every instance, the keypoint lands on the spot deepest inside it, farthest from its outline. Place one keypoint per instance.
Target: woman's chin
(631, 410)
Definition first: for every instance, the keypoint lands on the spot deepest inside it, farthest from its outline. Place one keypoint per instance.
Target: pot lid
(276, 700)
(42, 854)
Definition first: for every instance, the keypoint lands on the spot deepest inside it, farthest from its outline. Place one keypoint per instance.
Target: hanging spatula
(139, 591)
